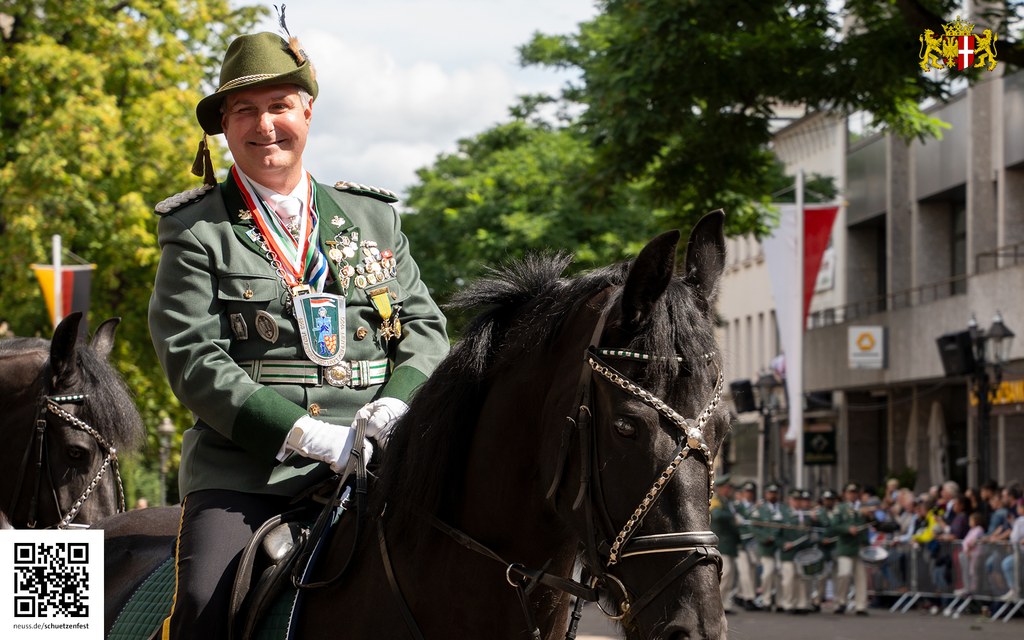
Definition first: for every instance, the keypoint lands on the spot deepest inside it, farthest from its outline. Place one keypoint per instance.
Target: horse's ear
(63, 359)
(705, 255)
(649, 276)
(103, 341)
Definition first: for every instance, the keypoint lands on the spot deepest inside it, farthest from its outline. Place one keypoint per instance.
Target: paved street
(880, 625)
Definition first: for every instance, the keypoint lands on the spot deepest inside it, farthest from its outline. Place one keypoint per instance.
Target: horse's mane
(521, 308)
(109, 408)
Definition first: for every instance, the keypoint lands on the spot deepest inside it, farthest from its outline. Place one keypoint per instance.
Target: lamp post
(166, 431)
(991, 350)
(766, 385)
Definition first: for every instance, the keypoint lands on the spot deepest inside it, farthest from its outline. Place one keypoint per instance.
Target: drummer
(725, 526)
(821, 519)
(746, 559)
(767, 517)
(794, 537)
(850, 527)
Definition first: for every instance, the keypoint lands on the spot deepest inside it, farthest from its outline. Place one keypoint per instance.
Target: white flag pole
(796, 378)
(58, 281)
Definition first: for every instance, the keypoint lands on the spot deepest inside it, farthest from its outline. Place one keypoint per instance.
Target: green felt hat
(256, 60)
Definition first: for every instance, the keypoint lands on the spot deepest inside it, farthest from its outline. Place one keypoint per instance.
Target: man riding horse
(247, 268)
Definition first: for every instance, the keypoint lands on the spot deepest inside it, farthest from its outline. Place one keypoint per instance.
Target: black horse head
(548, 427)
(67, 414)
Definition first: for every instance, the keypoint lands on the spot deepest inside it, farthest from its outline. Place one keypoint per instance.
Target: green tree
(683, 92)
(520, 187)
(97, 122)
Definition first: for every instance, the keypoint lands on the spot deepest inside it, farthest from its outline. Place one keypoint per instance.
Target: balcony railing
(986, 261)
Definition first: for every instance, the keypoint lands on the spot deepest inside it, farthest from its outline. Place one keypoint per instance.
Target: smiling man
(283, 311)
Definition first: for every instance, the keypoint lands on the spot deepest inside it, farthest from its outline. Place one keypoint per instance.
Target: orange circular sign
(866, 342)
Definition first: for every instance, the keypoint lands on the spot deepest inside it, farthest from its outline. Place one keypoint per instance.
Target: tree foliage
(519, 187)
(97, 116)
(683, 92)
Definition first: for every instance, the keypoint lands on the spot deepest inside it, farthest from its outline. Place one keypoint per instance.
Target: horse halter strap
(693, 431)
(699, 546)
(52, 404)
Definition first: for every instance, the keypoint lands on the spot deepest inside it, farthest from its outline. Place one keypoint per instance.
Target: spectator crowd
(838, 551)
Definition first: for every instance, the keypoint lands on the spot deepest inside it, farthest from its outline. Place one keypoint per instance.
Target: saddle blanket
(151, 603)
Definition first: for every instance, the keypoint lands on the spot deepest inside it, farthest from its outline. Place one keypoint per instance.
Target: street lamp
(991, 349)
(166, 431)
(767, 384)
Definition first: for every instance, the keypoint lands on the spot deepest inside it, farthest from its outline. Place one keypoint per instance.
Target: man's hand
(325, 442)
(381, 415)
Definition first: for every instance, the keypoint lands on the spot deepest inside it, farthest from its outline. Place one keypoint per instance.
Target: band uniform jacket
(212, 283)
(768, 535)
(846, 516)
(723, 524)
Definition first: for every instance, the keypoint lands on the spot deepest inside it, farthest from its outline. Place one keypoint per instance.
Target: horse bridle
(52, 404)
(699, 546)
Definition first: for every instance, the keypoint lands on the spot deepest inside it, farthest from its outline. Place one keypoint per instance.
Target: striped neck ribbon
(301, 262)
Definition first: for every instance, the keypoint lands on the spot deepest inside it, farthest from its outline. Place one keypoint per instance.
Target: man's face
(851, 496)
(266, 130)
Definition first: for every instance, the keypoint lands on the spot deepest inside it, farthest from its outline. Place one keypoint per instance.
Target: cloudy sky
(403, 80)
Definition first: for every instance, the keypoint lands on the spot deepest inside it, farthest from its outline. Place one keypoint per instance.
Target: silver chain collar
(694, 434)
(53, 406)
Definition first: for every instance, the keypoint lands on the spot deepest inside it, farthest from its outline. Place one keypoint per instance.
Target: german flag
(76, 281)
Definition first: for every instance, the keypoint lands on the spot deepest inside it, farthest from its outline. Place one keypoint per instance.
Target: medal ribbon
(297, 262)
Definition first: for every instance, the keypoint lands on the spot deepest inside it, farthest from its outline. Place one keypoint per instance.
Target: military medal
(321, 318)
(390, 327)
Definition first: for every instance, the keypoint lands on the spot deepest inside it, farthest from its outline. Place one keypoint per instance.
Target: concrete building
(931, 233)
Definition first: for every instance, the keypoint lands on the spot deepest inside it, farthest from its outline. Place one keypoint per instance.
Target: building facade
(931, 233)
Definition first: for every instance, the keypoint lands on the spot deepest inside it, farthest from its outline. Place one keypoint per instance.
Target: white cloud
(403, 80)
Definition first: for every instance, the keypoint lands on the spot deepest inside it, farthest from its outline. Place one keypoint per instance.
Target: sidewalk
(879, 625)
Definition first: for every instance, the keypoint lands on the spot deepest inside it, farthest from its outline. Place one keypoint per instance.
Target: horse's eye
(76, 453)
(625, 428)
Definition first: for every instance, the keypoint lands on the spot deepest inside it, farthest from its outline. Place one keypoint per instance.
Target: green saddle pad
(150, 604)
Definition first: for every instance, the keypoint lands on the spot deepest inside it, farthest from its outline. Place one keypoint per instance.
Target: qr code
(51, 580)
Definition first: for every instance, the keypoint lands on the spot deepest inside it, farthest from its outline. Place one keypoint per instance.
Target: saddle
(278, 554)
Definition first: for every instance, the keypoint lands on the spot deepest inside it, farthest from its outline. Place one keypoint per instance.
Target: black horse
(572, 427)
(66, 415)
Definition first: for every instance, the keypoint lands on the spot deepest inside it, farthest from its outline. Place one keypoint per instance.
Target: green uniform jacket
(212, 282)
(802, 537)
(723, 523)
(744, 510)
(823, 521)
(768, 538)
(843, 518)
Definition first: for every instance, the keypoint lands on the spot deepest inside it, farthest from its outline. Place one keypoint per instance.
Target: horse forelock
(109, 407)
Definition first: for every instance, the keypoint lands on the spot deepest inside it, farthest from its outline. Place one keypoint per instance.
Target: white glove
(380, 416)
(325, 442)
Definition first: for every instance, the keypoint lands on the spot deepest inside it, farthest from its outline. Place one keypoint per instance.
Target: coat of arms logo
(958, 48)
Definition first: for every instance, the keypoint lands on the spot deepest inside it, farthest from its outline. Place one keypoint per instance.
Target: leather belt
(355, 374)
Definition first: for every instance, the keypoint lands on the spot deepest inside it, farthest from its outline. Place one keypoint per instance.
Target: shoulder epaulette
(366, 190)
(179, 200)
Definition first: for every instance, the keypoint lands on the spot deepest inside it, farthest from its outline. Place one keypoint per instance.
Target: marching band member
(821, 518)
(724, 525)
(770, 512)
(746, 594)
(793, 538)
(850, 526)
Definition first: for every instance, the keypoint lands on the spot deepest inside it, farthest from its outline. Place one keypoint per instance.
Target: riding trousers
(215, 526)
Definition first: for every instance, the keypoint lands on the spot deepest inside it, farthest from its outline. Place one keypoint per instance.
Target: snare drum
(873, 555)
(809, 562)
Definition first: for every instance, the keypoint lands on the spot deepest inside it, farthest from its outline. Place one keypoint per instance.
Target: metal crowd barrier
(943, 572)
